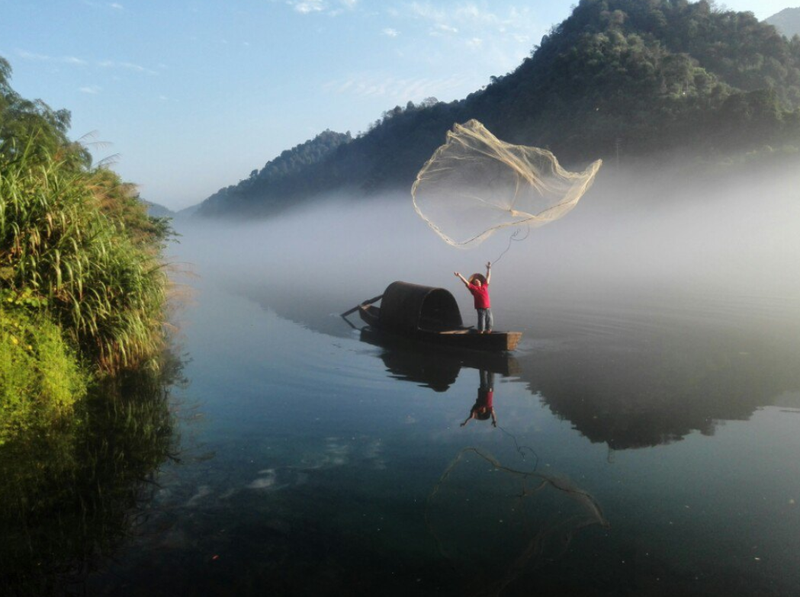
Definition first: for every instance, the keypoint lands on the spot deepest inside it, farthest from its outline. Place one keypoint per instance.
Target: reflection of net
(476, 184)
(500, 523)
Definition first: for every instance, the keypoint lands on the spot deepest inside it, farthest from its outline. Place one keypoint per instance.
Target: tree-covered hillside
(649, 76)
(284, 174)
(617, 78)
(786, 21)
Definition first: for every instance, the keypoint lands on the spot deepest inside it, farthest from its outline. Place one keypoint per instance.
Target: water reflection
(432, 366)
(620, 378)
(651, 390)
(72, 492)
(483, 409)
(633, 386)
(494, 521)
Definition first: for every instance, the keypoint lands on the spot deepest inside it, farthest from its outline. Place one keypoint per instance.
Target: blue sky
(194, 94)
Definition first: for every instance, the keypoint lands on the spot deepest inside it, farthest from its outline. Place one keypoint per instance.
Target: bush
(65, 235)
(40, 378)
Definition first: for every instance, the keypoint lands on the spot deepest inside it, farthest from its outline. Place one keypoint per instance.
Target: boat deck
(462, 337)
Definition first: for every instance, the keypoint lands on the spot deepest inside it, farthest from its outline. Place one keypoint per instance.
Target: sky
(188, 96)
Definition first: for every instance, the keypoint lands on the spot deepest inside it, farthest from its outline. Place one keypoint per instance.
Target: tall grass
(77, 238)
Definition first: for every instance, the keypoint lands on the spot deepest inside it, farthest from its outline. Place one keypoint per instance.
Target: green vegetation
(71, 237)
(82, 283)
(84, 412)
(40, 379)
(618, 79)
(651, 77)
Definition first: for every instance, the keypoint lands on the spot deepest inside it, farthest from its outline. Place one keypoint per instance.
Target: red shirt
(481, 295)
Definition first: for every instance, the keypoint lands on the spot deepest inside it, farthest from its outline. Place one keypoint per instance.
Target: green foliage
(120, 201)
(77, 239)
(40, 379)
(23, 121)
(66, 235)
(82, 287)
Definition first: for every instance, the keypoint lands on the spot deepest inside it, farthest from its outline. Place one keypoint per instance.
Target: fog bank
(635, 233)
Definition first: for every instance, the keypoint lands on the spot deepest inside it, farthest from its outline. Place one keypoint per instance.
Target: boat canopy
(411, 307)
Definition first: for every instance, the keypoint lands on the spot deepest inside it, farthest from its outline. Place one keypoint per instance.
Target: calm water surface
(646, 444)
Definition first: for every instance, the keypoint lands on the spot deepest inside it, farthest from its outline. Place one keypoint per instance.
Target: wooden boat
(430, 315)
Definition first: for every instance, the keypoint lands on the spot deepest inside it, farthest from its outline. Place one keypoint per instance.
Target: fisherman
(478, 286)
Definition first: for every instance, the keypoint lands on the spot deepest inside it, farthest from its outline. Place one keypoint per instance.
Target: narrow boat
(430, 315)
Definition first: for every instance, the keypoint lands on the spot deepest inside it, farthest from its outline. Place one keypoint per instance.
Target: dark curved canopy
(412, 307)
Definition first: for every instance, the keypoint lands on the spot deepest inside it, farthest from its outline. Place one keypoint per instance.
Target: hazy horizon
(635, 231)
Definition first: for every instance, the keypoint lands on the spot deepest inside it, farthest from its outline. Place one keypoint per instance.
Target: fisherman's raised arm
(462, 278)
(488, 272)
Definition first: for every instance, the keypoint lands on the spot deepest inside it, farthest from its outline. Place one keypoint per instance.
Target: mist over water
(652, 402)
(628, 300)
(730, 242)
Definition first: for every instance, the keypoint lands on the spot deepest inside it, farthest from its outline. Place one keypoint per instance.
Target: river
(646, 434)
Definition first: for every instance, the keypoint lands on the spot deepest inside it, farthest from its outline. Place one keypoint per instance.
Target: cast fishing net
(475, 185)
(497, 523)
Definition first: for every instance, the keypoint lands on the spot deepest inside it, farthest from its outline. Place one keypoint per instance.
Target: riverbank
(83, 281)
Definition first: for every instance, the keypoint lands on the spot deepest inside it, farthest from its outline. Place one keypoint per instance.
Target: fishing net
(475, 185)
(498, 523)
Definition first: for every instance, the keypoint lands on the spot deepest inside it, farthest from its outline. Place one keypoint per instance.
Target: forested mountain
(283, 175)
(617, 78)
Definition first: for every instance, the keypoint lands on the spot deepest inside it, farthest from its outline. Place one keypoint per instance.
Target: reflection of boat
(430, 366)
(430, 315)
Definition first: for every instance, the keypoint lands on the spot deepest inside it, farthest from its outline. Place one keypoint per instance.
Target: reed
(78, 239)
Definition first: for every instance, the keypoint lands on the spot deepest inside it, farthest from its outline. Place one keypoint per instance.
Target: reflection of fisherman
(479, 288)
(484, 407)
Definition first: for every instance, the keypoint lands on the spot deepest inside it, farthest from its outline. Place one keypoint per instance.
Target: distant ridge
(618, 78)
(158, 211)
(273, 177)
(786, 21)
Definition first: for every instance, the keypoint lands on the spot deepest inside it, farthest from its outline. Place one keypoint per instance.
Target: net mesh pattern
(475, 185)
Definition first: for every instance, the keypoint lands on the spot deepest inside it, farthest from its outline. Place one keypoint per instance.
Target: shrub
(40, 378)
(64, 235)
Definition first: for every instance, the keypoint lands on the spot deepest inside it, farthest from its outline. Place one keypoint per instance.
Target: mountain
(282, 177)
(188, 212)
(786, 21)
(616, 78)
(158, 211)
